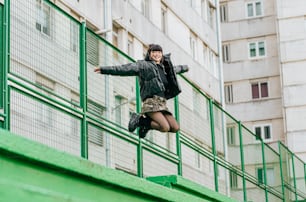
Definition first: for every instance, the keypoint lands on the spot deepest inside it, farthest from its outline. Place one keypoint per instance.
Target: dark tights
(164, 122)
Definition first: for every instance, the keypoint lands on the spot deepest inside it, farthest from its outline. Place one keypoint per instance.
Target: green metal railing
(50, 94)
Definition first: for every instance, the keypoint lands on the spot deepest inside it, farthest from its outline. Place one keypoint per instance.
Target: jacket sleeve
(130, 69)
(181, 69)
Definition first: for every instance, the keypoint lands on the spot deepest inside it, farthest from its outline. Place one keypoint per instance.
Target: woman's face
(156, 56)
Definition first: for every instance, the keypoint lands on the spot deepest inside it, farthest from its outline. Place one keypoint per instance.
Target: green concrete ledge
(30, 171)
(181, 184)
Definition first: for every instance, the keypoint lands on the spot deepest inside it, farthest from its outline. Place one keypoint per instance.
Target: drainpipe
(108, 36)
(221, 84)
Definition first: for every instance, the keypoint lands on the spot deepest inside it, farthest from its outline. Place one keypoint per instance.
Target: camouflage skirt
(155, 104)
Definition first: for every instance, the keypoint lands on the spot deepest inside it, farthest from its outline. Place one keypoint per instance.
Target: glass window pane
(258, 8)
(250, 10)
(258, 132)
(267, 132)
(260, 175)
(264, 89)
(255, 91)
(261, 47)
(252, 48)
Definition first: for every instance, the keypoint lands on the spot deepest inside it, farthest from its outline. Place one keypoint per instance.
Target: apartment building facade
(45, 51)
(263, 55)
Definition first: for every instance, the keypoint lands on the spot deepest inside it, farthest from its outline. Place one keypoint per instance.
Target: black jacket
(149, 78)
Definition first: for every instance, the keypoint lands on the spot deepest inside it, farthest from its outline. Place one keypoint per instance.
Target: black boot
(145, 126)
(134, 122)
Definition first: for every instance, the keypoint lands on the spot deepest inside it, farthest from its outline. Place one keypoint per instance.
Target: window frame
(228, 93)
(262, 132)
(260, 85)
(224, 13)
(254, 10)
(257, 50)
(39, 21)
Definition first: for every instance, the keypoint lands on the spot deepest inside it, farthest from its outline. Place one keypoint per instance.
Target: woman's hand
(97, 69)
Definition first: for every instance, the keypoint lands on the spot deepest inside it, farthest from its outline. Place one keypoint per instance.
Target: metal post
(139, 146)
(213, 143)
(83, 89)
(281, 170)
(242, 162)
(178, 141)
(294, 178)
(264, 169)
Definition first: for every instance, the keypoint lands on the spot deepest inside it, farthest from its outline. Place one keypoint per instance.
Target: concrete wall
(241, 70)
(291, 19)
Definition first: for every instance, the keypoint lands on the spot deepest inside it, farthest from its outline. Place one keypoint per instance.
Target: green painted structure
(33, 172)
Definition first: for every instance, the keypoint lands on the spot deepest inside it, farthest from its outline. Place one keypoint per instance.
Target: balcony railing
(51, 95)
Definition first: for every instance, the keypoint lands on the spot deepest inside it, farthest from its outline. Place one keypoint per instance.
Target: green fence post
(83, 90)
(294, 178)
(264, 168)
(281, 170)
(305, 174)
(2, 55)
(178, 141)
(6, 62)
(213, 143)
(139, 146)
(242, 161)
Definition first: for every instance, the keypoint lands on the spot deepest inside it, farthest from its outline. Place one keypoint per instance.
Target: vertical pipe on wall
(221, 88)
(107, 26)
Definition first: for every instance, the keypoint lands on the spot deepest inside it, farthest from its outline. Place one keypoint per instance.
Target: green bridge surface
(33, 172)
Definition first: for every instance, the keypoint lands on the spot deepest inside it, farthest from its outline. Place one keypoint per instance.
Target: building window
(45, 112)
(95, 135)
(211, 14)
(145, 8)
(92, 45)
(193, 45)
(130, 45)
(228, 93)
(164, 19)
(230, 131)
(223, 13)
(263, 132)
(233, 180)
(74, 36)
(204, 9)
(96, 108)
(119, 102)
(254, 9)
(257, 49)
(43, 19)
(115, 39)
(197, 160)
(260, 90)
(226, 53)
(270, 175)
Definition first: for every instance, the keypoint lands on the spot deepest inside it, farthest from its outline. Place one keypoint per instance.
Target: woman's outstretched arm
(130, 69)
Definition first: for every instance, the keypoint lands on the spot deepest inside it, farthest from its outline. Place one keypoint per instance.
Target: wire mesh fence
(57, 100)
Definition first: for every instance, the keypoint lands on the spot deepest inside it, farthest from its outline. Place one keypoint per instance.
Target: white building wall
(292, 40)
(91, 11)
